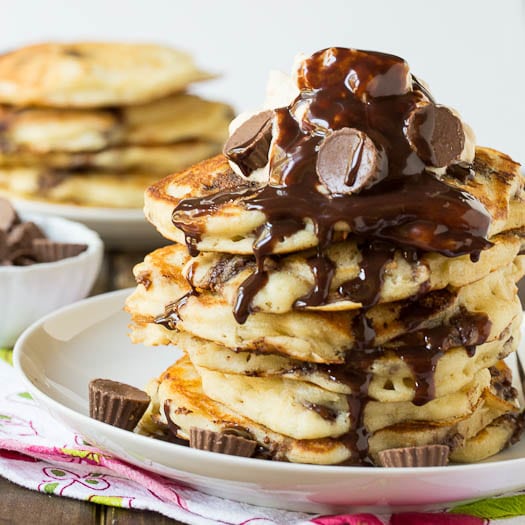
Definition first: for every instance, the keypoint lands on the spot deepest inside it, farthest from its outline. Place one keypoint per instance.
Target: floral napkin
(41, 454)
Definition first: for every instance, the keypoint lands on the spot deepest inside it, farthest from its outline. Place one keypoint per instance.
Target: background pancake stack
(342, 287)
(94, 124)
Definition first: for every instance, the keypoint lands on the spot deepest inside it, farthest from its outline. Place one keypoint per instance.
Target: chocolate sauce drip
(323, 270)
(355, 373)
(417, 85)
(357, 439)
(173, 427)
(366, 287)
(269, 235)
(462, 173)
(327, 413)
(420, 309)
(364, 332)
(245, 294)
(171, 316)
(422, 349)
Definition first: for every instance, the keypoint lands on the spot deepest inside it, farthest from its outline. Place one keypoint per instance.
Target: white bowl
(27, 293)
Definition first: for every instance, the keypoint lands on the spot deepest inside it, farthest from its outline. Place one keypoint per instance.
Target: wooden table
(20, 506)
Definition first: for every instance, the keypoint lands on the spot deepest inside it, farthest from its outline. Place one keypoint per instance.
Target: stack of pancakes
(334, 304)
(94, 124)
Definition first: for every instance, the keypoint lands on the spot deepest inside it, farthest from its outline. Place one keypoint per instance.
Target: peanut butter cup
(422, 456)
(116, 403)
(24, 243)
(249, 144)
(222, 442)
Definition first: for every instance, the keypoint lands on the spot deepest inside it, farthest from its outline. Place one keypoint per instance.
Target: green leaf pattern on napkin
(112, 501)
(494, 508)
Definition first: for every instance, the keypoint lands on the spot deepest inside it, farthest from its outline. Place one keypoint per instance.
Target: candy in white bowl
(31, 291)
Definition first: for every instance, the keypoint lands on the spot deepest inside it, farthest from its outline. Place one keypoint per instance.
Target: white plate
(60, 354)
(124, 229)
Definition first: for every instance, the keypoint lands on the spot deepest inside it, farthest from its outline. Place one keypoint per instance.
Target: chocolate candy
(435, 134)
(45, 250)
(367, 74)
(348, 161)
(249, 144)
(24, 243)
(422, 456)
(226, 442)
(22, 236)
(117, 404)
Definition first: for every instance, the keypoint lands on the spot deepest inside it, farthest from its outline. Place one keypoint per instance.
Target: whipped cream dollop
(390, 110)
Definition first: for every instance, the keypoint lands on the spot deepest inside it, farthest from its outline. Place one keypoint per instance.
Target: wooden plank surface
(20, 506)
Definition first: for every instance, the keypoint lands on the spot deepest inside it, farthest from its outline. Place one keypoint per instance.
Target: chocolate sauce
(323, 270)
(418, 310)
(408, 207)
(173, 427)
(421, 350)
(245, 294)
(268, 236)
(357, 439)
(171, 316)
(417, 85)
(323, 411)
(366, 287)
(462, 173)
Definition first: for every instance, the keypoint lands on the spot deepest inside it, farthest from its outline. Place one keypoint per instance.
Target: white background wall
(471, 52)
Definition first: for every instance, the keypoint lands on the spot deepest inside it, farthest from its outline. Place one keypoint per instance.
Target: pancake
(179, 391)
(91, 74)
(149, 159)
(30, 132)
(488, 442)
(308, 336)
(302, 410)
(172, 273)
(392, 377)
(228, 226)
(344, 276)
(85, 188)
